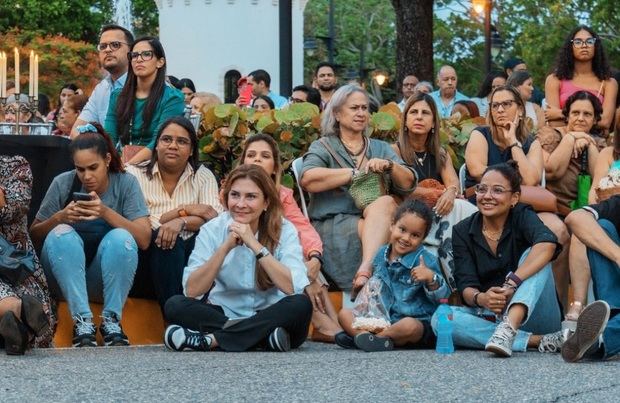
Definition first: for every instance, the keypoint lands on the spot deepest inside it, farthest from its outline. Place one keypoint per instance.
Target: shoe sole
(85, 343)
(371, 343)
(590, 325)
(498, 350)
(14, 343)
(34, 316)
(117, 343)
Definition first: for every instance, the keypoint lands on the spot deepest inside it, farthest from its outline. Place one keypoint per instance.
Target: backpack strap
(333, 153)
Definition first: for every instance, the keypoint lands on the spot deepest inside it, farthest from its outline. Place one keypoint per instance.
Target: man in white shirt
(114, 44)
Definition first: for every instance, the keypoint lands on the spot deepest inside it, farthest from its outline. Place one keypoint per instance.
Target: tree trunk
(414, 39)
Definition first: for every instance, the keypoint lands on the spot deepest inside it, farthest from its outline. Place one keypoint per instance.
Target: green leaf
(224, 110)
(288, 181)
(383, 121)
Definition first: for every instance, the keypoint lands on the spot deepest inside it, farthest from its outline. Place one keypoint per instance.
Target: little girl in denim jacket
(412, 286)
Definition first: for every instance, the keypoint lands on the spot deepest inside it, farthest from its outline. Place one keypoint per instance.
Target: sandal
(356, 290)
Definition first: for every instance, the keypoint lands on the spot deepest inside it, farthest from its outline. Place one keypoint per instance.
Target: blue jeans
(537, 293)
(606, 282)
(107, 279)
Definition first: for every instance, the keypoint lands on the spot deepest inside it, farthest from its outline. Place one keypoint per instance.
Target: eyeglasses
(409, 85)
(504, 104)
(181, 141)
(145, 55)
(496, 191)
(13, 110)
(580, 42)
(296, 100)
(114, 45)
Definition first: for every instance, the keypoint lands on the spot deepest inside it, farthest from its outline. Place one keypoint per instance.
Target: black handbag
(15, 264)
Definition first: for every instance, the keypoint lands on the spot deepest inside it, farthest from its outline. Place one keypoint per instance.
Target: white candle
(2, 75)
(31, 74)
(16, 52)
(36, 77)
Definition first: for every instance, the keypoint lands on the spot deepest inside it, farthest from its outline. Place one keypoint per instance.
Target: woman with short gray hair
(351, 236)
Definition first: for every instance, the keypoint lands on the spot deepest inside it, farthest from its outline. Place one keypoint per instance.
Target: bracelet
(508, 285)
(318, 257)
(476, 299)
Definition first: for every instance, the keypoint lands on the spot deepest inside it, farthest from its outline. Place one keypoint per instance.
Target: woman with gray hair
(330, 165)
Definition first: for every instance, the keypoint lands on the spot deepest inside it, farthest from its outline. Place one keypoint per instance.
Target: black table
(48, 156)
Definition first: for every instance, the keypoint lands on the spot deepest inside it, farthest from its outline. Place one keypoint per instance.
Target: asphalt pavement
(315, 372)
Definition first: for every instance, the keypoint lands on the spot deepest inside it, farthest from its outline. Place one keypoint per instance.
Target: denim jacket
(402, 296)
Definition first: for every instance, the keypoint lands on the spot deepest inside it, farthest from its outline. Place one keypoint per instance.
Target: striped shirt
(200, 188)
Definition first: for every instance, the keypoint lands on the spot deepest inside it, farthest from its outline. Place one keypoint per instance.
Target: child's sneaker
(84, 332)
(112, 332)
(501, 341)
(370, 342)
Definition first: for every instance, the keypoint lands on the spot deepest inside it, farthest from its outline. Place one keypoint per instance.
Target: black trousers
(292, 312)
(160, 271)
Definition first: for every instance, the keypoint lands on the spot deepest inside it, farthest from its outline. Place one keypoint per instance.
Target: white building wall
(203, 39)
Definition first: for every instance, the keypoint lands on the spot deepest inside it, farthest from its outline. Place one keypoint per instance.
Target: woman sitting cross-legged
(245, 278)
(502, 258)
(182, 196)
(90, 241)
(411, 286)
(262, 150)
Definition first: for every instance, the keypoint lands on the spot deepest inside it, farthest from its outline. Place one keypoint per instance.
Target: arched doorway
(230, 86)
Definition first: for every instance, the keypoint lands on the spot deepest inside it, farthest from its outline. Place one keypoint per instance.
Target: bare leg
(516, 314)
(579, 275)
(345, 317)
(326, 323)
(560, 265)
(405, 331)
(13, 304)
(373, 230)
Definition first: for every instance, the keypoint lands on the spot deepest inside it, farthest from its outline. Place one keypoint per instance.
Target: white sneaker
(501, 341)
(552, 342)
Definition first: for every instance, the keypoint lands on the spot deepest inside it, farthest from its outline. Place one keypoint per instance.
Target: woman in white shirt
(245, 279)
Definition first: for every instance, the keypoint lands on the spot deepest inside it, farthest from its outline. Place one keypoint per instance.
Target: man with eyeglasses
(302, 93)
(114, 44)
(447, 94)
(408, 88)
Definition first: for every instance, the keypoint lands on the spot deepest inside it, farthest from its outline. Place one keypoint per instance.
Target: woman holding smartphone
(90, 247)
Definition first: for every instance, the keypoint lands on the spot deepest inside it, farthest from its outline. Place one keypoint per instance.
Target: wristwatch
(262, 253)
(318, 257)
(515, 144)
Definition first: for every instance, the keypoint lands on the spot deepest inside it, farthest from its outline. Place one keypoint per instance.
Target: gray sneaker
(552, 342)
(590, 325)
(501, 342)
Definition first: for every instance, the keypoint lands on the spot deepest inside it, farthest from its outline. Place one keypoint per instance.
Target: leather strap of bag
(333, 153)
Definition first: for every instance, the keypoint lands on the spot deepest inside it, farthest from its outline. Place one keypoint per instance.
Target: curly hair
(565, 61)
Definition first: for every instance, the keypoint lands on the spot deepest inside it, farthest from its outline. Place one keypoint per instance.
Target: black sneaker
(590, 324)
(370, 342)
(112, 332)
(279, 340)
(178, 338)
(14, 333)
(343, 340)
(84, 332)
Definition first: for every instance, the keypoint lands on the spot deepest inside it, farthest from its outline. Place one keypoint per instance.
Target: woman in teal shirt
(137, 110)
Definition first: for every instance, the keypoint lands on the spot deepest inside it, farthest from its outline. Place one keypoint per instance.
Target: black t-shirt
(476, 266)
(608, 210)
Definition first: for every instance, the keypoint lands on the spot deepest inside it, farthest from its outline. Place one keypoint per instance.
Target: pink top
(567, 88)
(309, 238)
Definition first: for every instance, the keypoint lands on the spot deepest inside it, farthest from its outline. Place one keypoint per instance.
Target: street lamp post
(487, 35)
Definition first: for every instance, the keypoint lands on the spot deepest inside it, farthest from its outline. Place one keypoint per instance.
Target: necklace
(488, 234)
(352, 153)
(421, 159)
(354, 156)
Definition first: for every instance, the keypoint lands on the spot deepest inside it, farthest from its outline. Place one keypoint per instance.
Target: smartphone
(79, 196)
(246, 93)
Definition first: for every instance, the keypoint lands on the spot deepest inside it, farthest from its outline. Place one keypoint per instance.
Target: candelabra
(23, 104)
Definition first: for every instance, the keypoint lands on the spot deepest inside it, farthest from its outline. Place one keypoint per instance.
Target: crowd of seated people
(242, 268)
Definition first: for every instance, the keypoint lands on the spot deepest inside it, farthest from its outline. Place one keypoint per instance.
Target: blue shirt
(96, 108)
(234, 287)
(446, 110)
(278, 100)
(402, 296)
